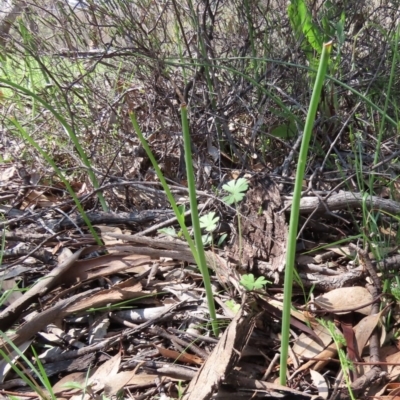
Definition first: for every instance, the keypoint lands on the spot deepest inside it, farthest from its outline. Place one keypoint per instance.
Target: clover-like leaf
(170, 231)
(236, 189)
(233, 306)
(250, 283)
(209, 221)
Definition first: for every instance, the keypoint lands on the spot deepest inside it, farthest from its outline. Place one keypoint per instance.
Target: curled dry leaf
(320, 382)
(346, 298)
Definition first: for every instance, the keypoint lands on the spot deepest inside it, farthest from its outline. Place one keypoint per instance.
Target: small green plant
(251, 283)
(180, 389)
(209, 222)
(232, 305)
(340, 342)
(84, 387)
(236, 189)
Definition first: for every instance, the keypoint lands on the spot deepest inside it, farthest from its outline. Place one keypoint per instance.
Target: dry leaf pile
(130, 316)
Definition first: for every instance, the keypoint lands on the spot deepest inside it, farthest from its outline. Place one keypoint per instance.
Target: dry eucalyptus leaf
(75, 377)
(363, 330)
(109, 240)
(306, 346)
(106, 371)
(393, 370)
(346, 298)
(122, 379)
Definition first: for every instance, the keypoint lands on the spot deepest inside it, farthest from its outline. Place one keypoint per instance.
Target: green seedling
(209, 222)
(232, 305)
(222, 239)
(196, 245)
(250, 283)
(295, 210)
(236, 189)
(340, 342)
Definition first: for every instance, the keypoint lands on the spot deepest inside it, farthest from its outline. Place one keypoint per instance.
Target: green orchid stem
(202, 263)
(196, 248)
(294, 216)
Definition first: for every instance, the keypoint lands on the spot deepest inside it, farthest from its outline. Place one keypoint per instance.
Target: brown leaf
(75, 377)
(103, 266)
(306, 346)
(117, 382)
(108, 296)
(346, 298)
(177, 356)
(394, 370)
(105, 372)
(364, 329)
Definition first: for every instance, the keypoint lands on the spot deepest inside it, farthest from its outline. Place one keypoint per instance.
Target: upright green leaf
(301, 21)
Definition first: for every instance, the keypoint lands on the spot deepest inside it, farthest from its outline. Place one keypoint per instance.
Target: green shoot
(60, 174)
(197, 248)
(340, 342)
(29, 380)
(294, 216)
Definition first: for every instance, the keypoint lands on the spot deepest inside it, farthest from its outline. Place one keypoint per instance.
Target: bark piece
(344, 201)
(263, 229)
(222, 360)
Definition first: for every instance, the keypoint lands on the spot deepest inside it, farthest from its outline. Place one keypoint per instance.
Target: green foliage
(236, 189)
(250, 283)
(196, 246)
(222, 239)
(73, 385)
(312, 33)
(169, 230)
(232, 305)
(302, 24)
(209, 221)
(295, 209)
(340, 341)
(287, 130)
